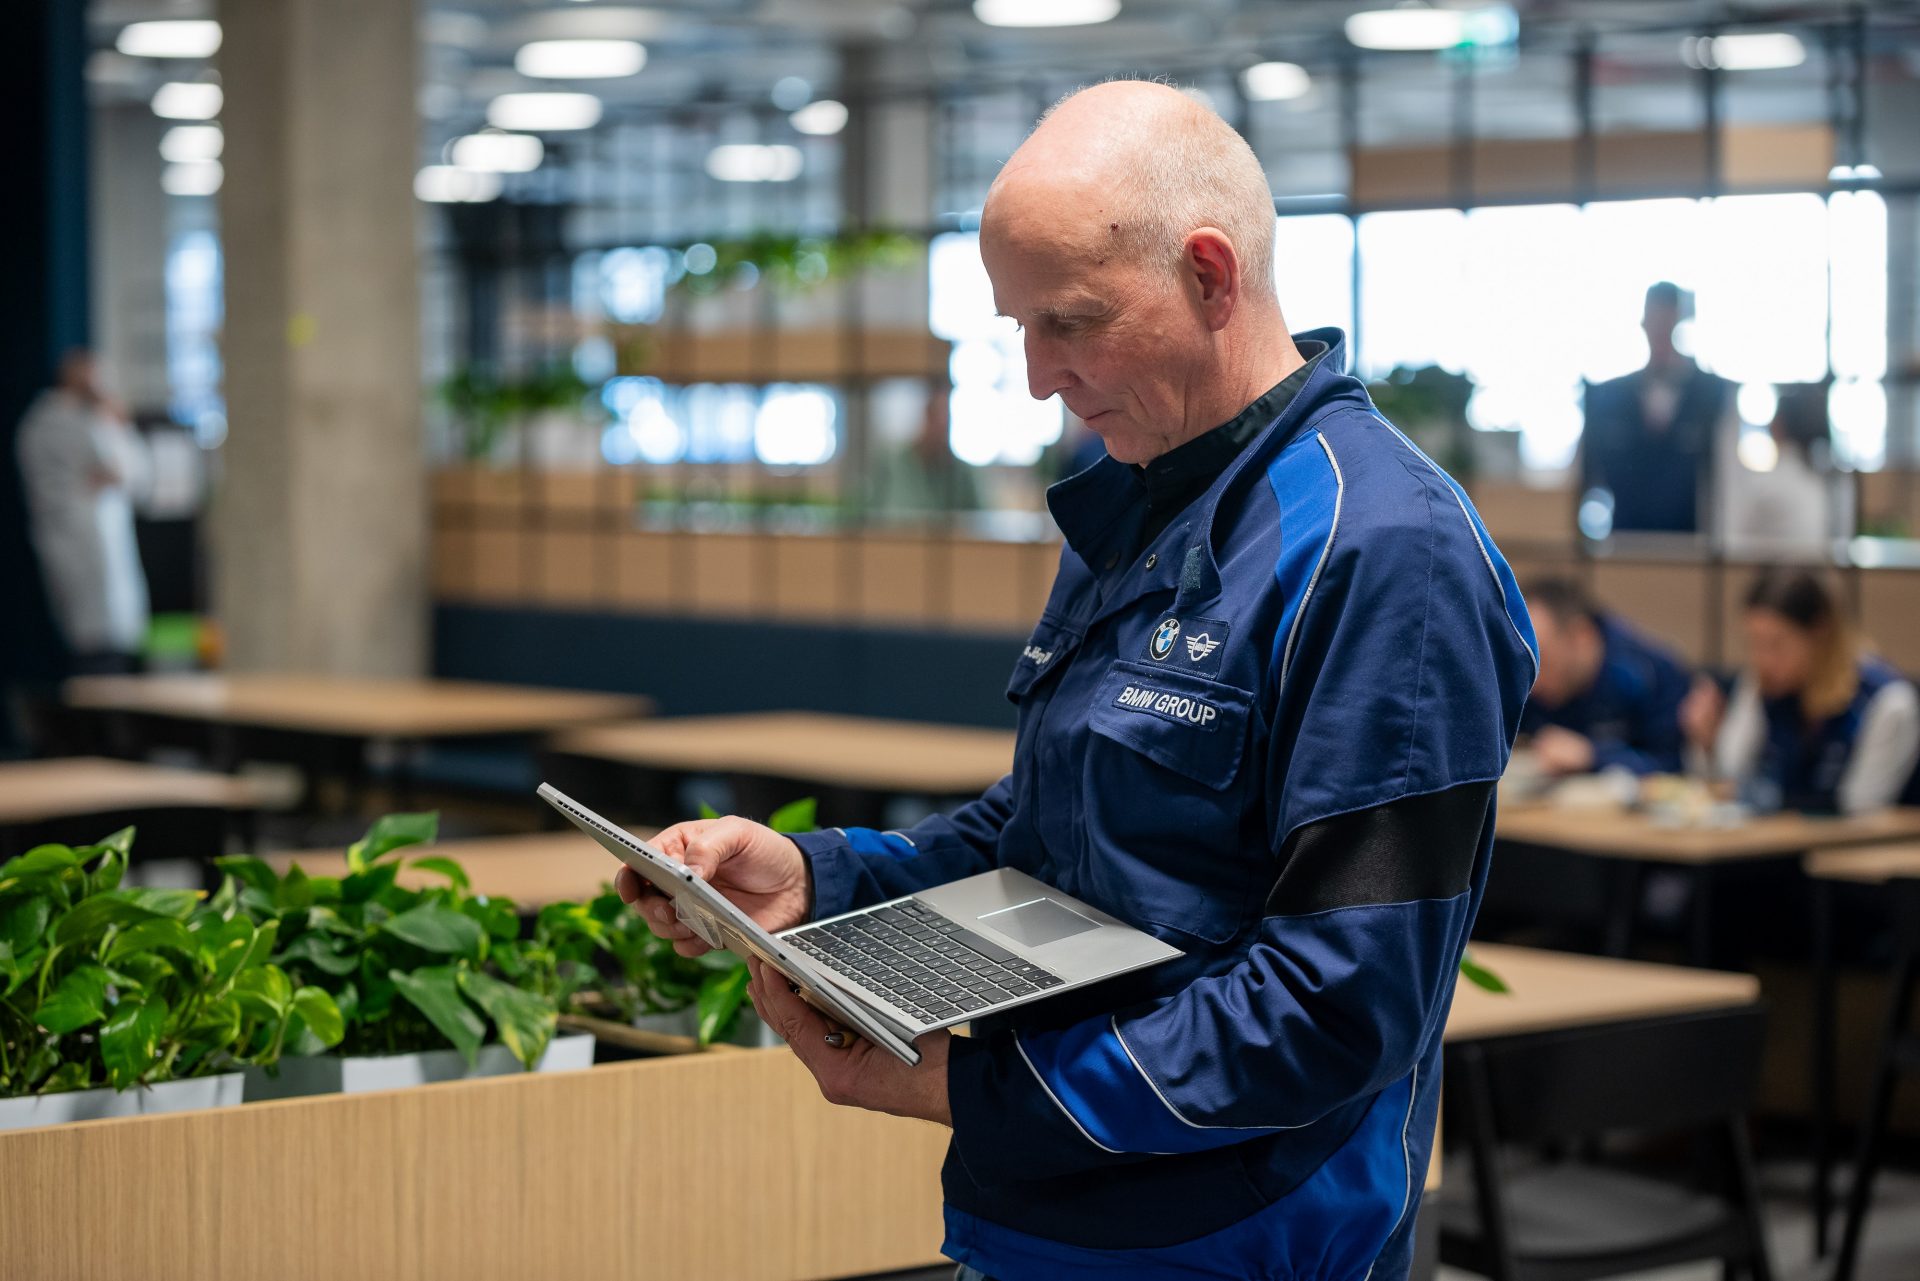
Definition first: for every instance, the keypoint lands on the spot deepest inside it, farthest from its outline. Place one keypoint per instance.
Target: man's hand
(1561, 751)
(857, 1074)
(761, 871)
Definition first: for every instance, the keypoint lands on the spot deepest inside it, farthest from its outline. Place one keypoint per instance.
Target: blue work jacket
(1326, 630)
(1631, 714)
(1801, 765)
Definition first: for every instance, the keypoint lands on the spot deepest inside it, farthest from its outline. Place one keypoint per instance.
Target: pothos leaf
(392, 832)
(525, 1022)
(1482, 977)
(320, 1015)
(444, 866)
(795, 816)
(129, 1039)
(435, 992)
(719, 1003)
(76, 1001)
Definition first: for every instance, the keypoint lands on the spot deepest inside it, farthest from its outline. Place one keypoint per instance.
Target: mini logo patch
(1182, 709)
(1163, 638)
(1198, 647)
(1037, 656)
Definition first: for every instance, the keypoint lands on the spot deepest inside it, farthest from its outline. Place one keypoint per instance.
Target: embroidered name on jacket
(1182, 709)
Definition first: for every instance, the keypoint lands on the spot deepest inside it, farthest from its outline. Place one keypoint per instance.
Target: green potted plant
(116, 1001)
(432, 984)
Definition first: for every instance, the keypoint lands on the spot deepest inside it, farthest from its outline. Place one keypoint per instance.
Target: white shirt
(1791, 512)
(82, 529)
(1879, 766)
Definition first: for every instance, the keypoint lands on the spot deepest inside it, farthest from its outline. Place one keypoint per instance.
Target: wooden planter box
(724, 1164)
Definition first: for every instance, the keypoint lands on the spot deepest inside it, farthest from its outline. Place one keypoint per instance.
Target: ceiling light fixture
(544, 112)
(181, 100)
(748, 162)
(198, 178)
(1409, 27)
(173, 38)
(184, 144)
(580, 59)
(821, 119)
(497, 152)
(1045, 13)
(450, 184)
(1744, 51)
(1275, 81)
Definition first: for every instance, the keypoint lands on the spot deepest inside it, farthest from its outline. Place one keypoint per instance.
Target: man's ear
(1212, 269)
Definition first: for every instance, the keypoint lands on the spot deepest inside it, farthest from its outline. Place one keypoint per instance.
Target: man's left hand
(858, 1073)
(1561, 751)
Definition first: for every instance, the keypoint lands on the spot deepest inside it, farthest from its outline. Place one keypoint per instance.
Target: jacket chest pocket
(1045, 653)
(1166, 786)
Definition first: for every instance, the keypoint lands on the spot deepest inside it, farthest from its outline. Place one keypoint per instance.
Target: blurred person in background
(1607, 695)
(1649, 436)
(1816, 723)
(80, 463)
(1800, 505)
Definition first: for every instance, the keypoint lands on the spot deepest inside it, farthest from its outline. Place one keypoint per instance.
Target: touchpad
(1038, 923)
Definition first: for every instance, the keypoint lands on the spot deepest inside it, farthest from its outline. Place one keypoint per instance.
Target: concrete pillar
(320, 524)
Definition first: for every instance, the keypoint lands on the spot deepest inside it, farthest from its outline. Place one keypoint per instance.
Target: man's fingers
(627, 883)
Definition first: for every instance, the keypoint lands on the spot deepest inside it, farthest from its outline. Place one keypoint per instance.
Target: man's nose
(1046, 373)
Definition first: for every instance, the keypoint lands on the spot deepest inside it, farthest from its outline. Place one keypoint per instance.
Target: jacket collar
(1093, 508)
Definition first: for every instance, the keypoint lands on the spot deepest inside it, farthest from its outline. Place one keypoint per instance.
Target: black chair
(1567, 1220)
(1899, 1055)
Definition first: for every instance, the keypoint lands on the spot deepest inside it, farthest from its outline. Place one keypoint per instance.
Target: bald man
(1261, 717)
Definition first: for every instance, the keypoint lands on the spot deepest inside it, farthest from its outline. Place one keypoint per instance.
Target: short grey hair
(1192, 169)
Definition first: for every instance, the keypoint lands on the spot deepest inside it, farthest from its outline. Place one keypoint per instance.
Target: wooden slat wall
(717, 1165)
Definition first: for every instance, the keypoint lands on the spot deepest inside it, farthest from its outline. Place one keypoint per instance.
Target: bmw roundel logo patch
(1163, 638)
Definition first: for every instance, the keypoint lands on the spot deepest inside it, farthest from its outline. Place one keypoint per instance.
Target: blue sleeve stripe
(864, 840)
(1309, 519)
(1092, 1076)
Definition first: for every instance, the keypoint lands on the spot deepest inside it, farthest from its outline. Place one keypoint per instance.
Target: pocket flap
(1045, 652)
(1193, 726)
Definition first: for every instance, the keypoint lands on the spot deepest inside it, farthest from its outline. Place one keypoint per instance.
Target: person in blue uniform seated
(1607, 695)
(1816, 722)
(1649, 436)
(1259, 545)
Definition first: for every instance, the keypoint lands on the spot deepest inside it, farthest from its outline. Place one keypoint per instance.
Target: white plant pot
(33, 1110)
(302, 1075)
(753, 1032)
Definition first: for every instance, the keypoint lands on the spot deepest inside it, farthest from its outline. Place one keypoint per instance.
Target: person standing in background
(1649, 436)
(80, 462)
(1800, 506)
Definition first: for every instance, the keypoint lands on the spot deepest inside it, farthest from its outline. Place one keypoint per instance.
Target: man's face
(1118, 340)
(1568, 658)
(1659, 321)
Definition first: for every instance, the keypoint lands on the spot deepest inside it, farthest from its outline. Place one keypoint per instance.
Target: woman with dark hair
(1816, 723)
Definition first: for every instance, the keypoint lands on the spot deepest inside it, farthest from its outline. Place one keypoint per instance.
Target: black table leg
(1623, 910)
(1700, 925)
(1822, 1074)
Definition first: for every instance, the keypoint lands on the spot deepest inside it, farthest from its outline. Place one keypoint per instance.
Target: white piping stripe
(903, 836)
(1114, 1023)
(1485, 555)
(1339, 497)
(1406, 1160)
(1056, 1100)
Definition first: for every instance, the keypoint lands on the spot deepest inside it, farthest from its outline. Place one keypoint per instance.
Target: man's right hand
(762, 872)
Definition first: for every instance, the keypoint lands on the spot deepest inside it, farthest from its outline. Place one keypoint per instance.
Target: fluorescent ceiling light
(1044, 13)
(195, 38)
(580, 59)
(746, 162)
(1275, 81)
(179, 100)
(198, 178)
(1408, 27)
(1745, 51)
(498, 152)
(544, 112)
(450, 184)
(820, 118)
(184, 144)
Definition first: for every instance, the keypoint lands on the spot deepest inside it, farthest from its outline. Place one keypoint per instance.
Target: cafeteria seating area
(407, 403)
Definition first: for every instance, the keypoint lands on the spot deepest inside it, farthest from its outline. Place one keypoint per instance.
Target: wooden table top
(1609, 833)
(73, 787)
(352, 706)
(844, 751)
(1867, 864)
(1556, 990)
(532, 870)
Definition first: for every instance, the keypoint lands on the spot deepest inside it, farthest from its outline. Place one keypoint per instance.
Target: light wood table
(34, 794)
(532, 871)
(857, 754)
(350, 707)
(1633, 841)
(1556, 991)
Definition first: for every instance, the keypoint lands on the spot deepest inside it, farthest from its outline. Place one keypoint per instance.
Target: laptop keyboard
(922, 962)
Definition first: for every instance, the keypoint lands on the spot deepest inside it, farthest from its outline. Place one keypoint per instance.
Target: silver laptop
(895, 970)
